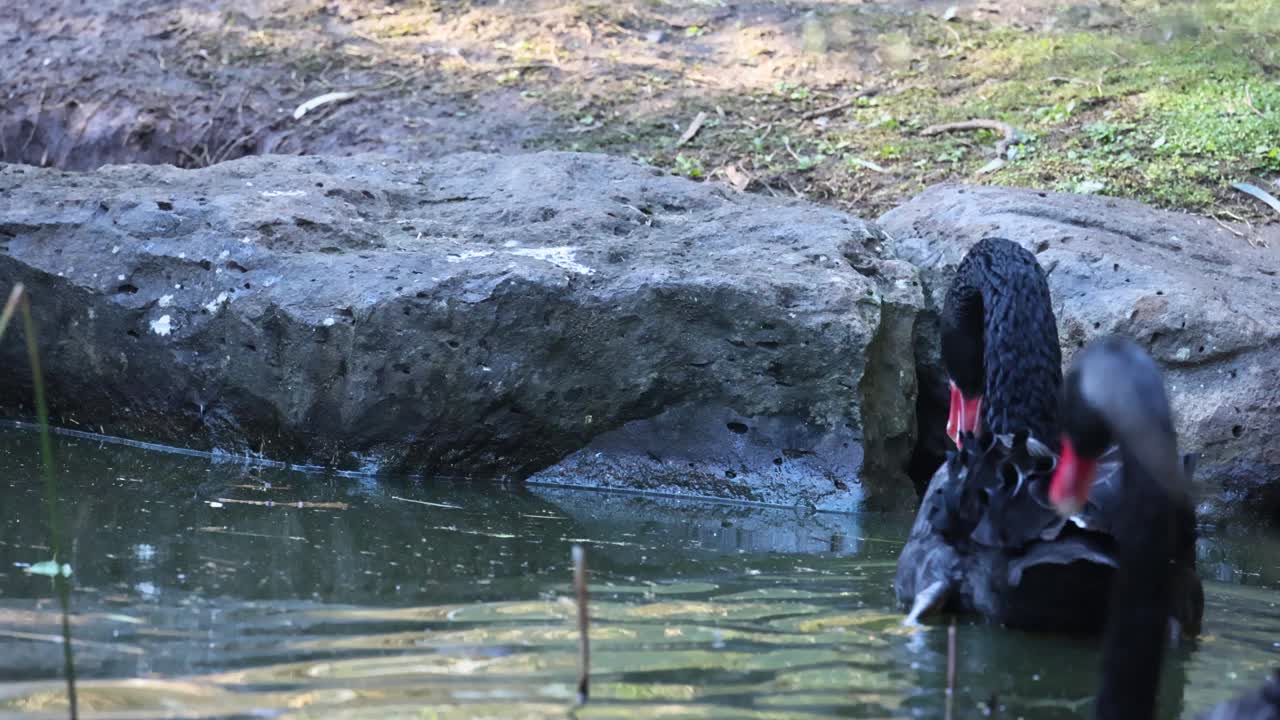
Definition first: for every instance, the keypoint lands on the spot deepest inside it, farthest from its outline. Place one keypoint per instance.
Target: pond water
(202, 589)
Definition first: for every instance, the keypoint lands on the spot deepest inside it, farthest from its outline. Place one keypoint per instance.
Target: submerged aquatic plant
(57, 569)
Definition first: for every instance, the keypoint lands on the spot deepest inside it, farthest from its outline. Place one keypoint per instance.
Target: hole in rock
(69, 135)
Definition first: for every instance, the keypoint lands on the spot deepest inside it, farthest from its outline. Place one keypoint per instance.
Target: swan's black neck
(1133, 646)
(1000, 339)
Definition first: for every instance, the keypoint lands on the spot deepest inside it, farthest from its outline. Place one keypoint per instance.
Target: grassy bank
(1166, 101)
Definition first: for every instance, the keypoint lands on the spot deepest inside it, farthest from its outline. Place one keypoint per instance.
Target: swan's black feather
(985, 527)
(986, 523)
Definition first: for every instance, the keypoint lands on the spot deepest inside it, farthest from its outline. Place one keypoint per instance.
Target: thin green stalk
(61, 583)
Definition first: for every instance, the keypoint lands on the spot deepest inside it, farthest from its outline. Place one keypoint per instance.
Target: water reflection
(216, 590)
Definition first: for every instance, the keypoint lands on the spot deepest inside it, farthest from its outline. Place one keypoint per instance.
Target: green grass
(1169, 107)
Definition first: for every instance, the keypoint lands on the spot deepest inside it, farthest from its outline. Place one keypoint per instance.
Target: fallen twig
(867, 164)
(786, 143)
(1251, 236)
(693, 129)
(424, 502)
(1237, 218)
(1221, 224)
(320, 100)
(1002, 145)
(291, 505)
(846, 103)
(584, 645)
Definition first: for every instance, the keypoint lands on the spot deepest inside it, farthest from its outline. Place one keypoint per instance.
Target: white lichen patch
(163, 326)
(561, 257)
(468, 255)
(328, 322)
(165, 301)
(213, 305)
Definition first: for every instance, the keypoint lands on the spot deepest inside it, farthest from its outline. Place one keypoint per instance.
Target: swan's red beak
(1072, 480)
(963, 416)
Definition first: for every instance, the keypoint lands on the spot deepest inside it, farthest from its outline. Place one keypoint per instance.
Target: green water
(204, 590)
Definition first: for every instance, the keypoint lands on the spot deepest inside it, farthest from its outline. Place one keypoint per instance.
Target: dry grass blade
(15, 296)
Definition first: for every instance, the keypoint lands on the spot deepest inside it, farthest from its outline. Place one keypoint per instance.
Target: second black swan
(986, 539)
(1114, 393)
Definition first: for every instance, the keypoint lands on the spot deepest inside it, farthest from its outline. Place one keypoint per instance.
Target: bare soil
(192, 83)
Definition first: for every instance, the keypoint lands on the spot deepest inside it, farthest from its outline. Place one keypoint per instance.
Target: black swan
(986, 539)
(1114, 393)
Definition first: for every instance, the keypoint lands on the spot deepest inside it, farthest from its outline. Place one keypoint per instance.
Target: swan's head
(1000, 344)
(1114, 392)
(962, 348)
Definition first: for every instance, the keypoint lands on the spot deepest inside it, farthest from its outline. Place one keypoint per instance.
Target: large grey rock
(477, 315)
(1204, 302)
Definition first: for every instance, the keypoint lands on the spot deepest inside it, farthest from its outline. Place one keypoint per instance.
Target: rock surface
(1204, 303)
(477, 315)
